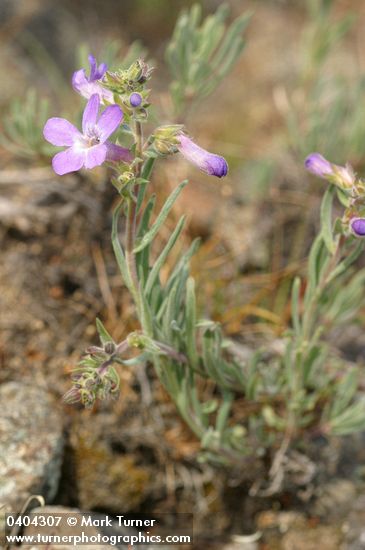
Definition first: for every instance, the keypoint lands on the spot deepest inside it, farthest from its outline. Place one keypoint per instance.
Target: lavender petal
(67, 161)
(318, 165)
(95, 156)
(103, 67)
(90, 113)
(211, 164)
(216, 166)
(116, 153)
(79, 81)
(85, 88)
(109, 121)
(96, 73)
(60, 131)
(93, 68)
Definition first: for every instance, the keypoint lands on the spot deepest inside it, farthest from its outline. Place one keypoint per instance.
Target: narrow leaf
(326, 219)
(103, 333)
(162, 257)
(149, 236)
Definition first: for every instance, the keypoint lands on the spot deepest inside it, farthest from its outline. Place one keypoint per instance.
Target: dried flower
(89, 148)
(87, 86)
(211, 164)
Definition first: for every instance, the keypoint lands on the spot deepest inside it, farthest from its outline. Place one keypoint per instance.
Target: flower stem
(132, 223)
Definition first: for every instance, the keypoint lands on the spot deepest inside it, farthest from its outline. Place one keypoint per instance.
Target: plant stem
(132, 222)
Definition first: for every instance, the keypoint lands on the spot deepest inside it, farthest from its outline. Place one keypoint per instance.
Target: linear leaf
(191, 322)
(326, 219)
(103, 333)
(149, 236)
(146, 174)
(118, 251)
(295, 304)
(162, 257)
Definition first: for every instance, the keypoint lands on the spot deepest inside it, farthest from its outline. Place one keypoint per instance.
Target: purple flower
(357, 226)
(343, 176)
(135, 99)
(88, 86)
(318, 165)
(89, 148)
(211, 164)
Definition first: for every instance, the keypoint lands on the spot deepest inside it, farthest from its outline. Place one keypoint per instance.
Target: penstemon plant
(305, 389)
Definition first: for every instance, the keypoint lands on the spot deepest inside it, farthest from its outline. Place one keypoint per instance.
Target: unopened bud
(357, 226)
(342, 176)
(109, 347)
(135, 99)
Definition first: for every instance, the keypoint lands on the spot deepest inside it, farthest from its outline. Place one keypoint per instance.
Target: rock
(31, 444)
(325, 537)
(334, 499)
(290, 530)
(105, 479)
(280, 521)
(243, 542)
(354, 526)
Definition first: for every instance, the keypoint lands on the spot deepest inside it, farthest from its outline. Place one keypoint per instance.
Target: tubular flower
(343, 176)
(89, 148)
(211, 164)
(318, 165)
(357, 226)
(87, 86)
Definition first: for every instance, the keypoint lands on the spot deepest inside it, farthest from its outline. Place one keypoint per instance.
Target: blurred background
(298, 87)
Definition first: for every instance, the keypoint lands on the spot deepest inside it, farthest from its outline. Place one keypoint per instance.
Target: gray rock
(31, 444)
(354, 526)
(334, 499)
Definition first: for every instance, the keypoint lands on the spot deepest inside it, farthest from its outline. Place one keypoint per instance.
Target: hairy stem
(132, 223)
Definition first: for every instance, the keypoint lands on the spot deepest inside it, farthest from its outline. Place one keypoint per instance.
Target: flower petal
(216, 166)
(211, 164)
(103, 67)
(116, 153)
(95, 156)
(93, 67)
(109, 121)
(67, 161)
(318, 165)
(91, 112)
(85, 88)
(79, 81)
(96, 73)
(60, 131)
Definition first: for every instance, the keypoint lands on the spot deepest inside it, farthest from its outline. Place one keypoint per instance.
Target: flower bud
(342, 176)
(109, 347)
(135, 99)
(211, 164)
(72, 396)
(357, 226)
(318, 165)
